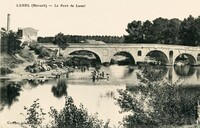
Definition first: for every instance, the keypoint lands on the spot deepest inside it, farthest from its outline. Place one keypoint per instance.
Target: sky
(97, 17)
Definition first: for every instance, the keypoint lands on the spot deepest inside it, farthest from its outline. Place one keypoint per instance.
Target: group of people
(96, 75)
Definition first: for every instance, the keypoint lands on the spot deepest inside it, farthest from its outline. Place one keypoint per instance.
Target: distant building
(27, 34)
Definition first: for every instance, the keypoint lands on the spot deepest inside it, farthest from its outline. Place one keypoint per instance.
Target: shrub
(154, 104)
(33, 46)
(72, 117)
(5, 70)
(34, 116)
(27, 55)
(69, 116)
(44, 52)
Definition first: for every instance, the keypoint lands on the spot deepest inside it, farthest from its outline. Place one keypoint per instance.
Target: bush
(5, 70)
(154, 104)
(70, 116)
(27, 55)
(44, 52)
(33, 46)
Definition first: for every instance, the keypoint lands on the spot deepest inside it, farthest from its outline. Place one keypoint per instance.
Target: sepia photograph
(100, 64)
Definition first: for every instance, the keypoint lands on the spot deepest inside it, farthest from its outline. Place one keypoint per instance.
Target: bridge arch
(97, 56)
(188, 58)
(129, 58)
(184, 71)
(157, 56)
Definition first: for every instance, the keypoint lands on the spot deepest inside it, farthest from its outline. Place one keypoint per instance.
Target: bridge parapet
(136, 45)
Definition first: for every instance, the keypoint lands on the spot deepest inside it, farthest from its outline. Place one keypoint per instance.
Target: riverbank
(14, 68)
(19, 73)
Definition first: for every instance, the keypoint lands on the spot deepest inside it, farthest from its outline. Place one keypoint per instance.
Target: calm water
(95, 96)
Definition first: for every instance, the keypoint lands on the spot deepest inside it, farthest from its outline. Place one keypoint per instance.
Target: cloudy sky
(97, 17)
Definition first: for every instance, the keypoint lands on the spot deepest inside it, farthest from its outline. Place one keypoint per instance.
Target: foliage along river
(96, 96)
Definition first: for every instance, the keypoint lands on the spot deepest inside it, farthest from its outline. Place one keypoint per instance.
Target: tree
(147, 32)
(189, 31)
(13, 43)
(172, 32)
(70, 116)
(159, 29)
(9, 42)
(74, 117)
(134, 30)
(197, 35)
(60, 40)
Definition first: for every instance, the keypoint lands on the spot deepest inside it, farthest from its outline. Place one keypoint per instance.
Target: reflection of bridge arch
(158, 56)
(190, 57)
(184, 71)
(95, 54)
(198, 57)
(126, 54)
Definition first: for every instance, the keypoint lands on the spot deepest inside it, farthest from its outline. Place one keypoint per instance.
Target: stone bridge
(104, 52)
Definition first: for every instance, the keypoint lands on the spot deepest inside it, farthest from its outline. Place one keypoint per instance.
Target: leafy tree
(147, 32)
(69, 116)
(172, 32)
(134, 30)
(197, 35)
(34, 116)
(60, 40)
(72, 117)
(9, 42)
(188, 31)
(159, 29)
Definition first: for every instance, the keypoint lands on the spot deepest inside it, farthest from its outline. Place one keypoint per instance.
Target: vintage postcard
(99, 64)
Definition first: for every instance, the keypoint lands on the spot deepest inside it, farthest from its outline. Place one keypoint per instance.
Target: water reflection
(198, 73)
(60, 89)
(185, 70)
(108, 94)
(153, 73)
(9, 93)
(131, 75)
(96, 96)
(121, 71)
(36, 81)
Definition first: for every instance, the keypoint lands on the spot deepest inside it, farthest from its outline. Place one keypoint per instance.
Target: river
(97, 96)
